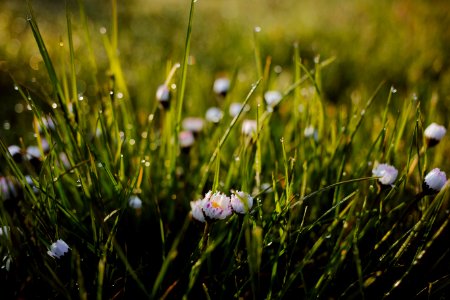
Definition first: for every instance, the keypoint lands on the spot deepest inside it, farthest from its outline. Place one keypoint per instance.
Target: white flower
(193, 124)
(48, 123)
(15, 152)
(387, 173)
(7, 188)
(272, 98)
(135, 202)
(221, 86)
(186, 139)
(434, 133)
(249, 127)
(310, 131)
(435, 180)
(163, 95)
(58, 249)
(214, 114)
(236, 107)
(241, 202)
(218, 206)
(197, 209)
(33, 152)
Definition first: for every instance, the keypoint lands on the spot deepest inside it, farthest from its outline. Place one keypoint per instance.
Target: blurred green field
(359, 82)
(403, 42)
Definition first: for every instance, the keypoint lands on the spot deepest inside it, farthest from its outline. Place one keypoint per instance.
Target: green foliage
(321, 225)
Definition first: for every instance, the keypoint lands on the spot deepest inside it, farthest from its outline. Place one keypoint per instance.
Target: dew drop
(6, 125)
(257, 29)
(18, 108)
(102, 30)
(54, 105)
(16, 87)
(393, 90)
(278, 69)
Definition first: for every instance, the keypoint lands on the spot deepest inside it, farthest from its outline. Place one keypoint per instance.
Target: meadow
(226, 149)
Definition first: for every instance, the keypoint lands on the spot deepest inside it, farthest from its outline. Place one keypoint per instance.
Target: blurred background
(404, 42)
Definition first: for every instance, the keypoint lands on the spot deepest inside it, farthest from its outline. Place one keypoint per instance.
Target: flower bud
(387, 173)
(16, 153)
(241, 202)
(434, 133)
(434, 181)
(214, 115)
(249, 127)
(163, 95)
(58, 249)
(272, 98)
(221, 86)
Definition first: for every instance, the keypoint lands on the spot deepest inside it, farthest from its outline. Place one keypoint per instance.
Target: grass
(322, 226)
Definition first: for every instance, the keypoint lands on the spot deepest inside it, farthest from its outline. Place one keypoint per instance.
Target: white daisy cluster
(218, 206)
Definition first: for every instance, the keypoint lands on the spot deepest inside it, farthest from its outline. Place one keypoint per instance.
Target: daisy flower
(387, 173)
(434, 181)
(241, 202)
(214, 115)
(249, 127)
(434, 133)
(58, 249)
(221, 86)
(135, 202)
(163, 95)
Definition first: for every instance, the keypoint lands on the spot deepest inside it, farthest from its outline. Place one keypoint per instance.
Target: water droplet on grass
(257, 29)
(16, 87)
(6, 125)
(54, 105)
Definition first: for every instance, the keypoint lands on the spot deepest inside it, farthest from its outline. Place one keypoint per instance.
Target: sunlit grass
(321, 224)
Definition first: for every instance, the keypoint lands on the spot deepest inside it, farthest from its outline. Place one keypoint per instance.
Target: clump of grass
(113, 189)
